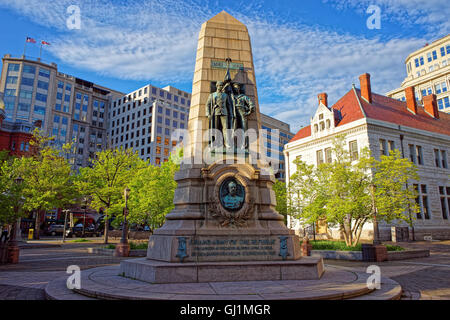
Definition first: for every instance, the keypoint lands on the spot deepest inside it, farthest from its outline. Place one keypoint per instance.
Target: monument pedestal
(152, 271)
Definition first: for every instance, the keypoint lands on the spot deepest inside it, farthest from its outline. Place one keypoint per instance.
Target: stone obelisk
(224, 212)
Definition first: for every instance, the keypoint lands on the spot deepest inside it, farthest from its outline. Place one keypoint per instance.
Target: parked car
(54, 229)
(89, 231)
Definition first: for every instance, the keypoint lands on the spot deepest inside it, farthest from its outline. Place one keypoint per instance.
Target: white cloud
(433, 15)
(156, 41)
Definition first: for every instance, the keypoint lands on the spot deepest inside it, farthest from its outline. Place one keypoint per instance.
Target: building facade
(275, 141)
(145, 120)
(15, 137)
(367, 119)
(70, 109)
(428, 71)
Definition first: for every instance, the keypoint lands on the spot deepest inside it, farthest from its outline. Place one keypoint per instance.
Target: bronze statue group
(228, 110)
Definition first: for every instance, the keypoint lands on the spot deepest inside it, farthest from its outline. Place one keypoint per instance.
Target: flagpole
(40, 52)
(25, 48)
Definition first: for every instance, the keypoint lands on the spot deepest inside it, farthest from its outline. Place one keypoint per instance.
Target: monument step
(335, 284)
(153, 271)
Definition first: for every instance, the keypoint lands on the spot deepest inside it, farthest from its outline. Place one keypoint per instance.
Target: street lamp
(376, 231)
(123, 248)
(66, 211)
(84, 216)
(18, 181)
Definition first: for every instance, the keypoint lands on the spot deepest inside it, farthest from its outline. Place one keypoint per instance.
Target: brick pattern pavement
(37, 267)
(427, 278)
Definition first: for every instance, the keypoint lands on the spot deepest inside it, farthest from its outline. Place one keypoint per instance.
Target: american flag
(31, 40)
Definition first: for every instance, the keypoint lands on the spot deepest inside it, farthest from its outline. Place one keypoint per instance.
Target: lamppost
(65, 224)
(13, 248)
(123, 248)
(84, 216)
(376, 231)
(19, 182)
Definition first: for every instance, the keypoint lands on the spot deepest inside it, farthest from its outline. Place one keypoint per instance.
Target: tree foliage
(48, 179)
(280, 190)
(111, 172)
(351, 193)
(152, 194)
(10, 190)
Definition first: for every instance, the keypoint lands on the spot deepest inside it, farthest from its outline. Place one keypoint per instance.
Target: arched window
(322, 126)
(328, 124)
(316, 128)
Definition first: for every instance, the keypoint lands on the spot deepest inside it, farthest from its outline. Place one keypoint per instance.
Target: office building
(428, 71)
(145, 120)
(274, 145)
(69, 108)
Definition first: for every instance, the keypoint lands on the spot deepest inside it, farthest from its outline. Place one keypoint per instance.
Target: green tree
(10, 190)
(390, 191)
(48, 178)
(280, 190)
(104, 182)
(349, 193)
(306, 196)
(152, 194)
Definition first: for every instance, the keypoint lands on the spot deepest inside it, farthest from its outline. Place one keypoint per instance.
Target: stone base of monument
(152, 271)
(335, 284)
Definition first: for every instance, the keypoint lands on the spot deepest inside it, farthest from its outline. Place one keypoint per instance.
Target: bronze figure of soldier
(243, 107)
(219, 110)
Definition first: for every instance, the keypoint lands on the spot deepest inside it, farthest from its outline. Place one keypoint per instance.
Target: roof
(382, 108)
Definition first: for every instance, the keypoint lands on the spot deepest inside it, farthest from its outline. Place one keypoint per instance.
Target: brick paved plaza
(424, 278)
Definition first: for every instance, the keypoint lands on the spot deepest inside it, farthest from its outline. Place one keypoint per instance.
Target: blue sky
(300, 48)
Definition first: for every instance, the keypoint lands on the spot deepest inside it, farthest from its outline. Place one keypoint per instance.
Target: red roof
(384, 109)
(303, 133)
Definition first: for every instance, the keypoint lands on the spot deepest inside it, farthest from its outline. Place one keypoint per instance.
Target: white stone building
(145, 119)
(421, 133)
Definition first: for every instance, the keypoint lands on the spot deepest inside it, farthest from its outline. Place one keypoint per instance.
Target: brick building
(420, 132)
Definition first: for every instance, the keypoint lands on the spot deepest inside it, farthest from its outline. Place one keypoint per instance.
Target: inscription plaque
(233, 247)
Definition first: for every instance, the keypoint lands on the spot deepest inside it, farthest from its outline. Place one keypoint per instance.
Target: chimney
(430, 105)
(411, 102)
(323, 97)
(366, 91)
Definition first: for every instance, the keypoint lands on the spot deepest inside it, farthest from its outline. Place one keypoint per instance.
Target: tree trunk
(37, 226)
(346, 235)
(106, 233)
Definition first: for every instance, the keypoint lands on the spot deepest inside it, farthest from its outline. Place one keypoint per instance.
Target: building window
(383, 147)
(443, 103)
(412, 153)
(422, 201)
(328, 155)
(444, 159)
(419, 155)
(444, 193)
(353, 147)
(319, 155)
